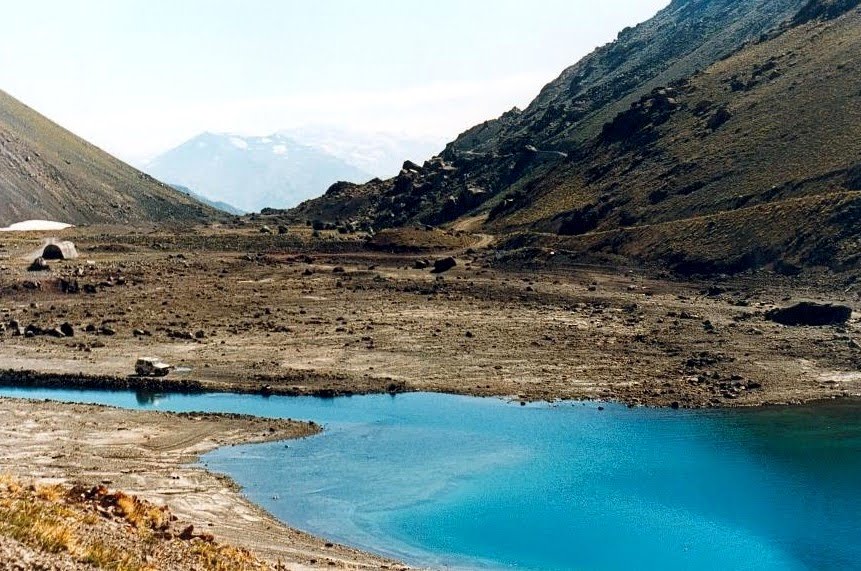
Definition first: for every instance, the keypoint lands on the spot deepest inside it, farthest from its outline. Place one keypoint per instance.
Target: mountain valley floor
(245, 309)
(237, 309)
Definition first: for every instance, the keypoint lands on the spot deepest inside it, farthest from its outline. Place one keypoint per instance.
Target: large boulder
(444, 265)
(811, 314)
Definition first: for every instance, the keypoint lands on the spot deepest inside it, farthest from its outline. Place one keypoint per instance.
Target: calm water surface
(446, 481)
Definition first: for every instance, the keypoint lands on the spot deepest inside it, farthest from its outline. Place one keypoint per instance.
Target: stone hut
(60, 251)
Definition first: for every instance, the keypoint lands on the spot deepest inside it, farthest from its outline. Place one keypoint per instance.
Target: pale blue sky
(137, 77)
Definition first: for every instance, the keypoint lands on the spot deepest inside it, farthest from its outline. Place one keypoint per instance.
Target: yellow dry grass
(55, 520)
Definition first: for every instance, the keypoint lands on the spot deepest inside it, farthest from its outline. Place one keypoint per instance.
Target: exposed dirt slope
(46, 172)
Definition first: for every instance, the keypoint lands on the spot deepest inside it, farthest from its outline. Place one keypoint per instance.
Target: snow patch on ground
(279, 149)
(36, 226)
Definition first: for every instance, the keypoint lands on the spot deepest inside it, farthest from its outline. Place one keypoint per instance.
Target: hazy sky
(137, 77)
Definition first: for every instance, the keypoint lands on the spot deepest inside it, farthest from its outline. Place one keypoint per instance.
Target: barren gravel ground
(17, 557)
(240, 310)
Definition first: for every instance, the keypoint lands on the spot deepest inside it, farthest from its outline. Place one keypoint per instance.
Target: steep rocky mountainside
(754, 160)
(46, 172)
(489, 158)
(687, 36)
(757, 160)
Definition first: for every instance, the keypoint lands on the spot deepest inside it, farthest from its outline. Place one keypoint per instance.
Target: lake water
(447, 481)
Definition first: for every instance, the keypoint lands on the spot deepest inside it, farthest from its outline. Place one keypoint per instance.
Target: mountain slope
(757, 160)
(522, 146)
(754, 161)
(46, 172)
(252, 173)
(687, 36)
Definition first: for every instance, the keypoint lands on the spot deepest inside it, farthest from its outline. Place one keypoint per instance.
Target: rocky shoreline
(647, 397)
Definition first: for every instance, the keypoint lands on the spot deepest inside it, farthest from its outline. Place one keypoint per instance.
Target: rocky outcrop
(634, 125)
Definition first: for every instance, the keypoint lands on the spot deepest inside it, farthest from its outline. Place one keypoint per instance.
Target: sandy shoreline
(150, 454)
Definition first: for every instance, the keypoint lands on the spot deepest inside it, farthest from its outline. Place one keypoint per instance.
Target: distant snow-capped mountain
(381, 154)
(252, 173)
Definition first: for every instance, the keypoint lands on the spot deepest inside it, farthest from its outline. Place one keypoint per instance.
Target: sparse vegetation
(111, 531)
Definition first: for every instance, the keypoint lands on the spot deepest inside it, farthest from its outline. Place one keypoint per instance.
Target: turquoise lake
(455, 482)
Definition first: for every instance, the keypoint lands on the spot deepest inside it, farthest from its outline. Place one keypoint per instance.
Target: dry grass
(112, 531)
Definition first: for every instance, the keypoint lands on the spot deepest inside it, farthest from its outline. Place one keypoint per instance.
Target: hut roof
(60, 251)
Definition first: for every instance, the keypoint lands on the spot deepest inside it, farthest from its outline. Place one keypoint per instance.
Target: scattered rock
(185, 335)
(720, 117)
(444, 265)
(810, 314)
(70, 287)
